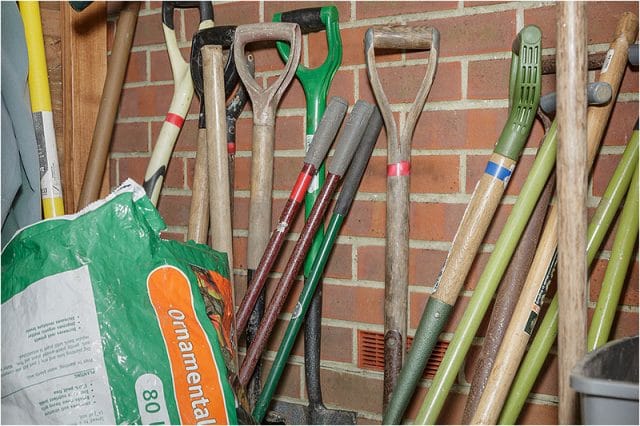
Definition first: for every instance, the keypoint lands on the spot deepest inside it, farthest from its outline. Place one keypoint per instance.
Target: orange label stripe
(196, 381)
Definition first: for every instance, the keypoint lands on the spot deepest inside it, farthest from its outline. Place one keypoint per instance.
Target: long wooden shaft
(221, 230)
(199, 214)
(572, 197)
(109, 103)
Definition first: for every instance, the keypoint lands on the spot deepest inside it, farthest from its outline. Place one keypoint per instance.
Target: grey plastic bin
(607, 380)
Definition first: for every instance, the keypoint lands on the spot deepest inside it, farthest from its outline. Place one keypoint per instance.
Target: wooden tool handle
(403, 37)
(473, 226)
(199, 212)
(266, 100)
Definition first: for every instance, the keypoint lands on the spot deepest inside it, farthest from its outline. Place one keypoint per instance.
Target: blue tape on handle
(498, 171)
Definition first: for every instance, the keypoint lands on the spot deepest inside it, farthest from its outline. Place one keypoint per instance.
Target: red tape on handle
(174, 119)
(403, 168)
(300, 188)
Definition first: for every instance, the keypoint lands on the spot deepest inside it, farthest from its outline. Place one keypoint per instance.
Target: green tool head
(314, 20)
(524, 92)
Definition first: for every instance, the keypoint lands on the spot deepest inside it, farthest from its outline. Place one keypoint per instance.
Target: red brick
(240, 259)
(424, 266)
(360, 304)
(241, 213)
(174, 209)
(144, 102)
(434, 222)
(242, 175)
(293, 96)
(602, 18)
(175, 174)
(371, 9)
(477, 267)
(289, 384)
(113, 173)
(371, 263)
(161, 67)
(266, 56)
(273, 343)
(136, 67)
(290, 134)
(365, 219)
(375, 176)
(148, 30)
(602, 171)
(133, 168)
(244, 132)
(535, 414)
(630, 81)
(625, 324)
(489, 79)
(353, 49)
(273, 7)
(348, 391)
(236, 13)
(477, 34)
(177, 236)
(435, 174)
(451, 412)
(285, 172)
(187, 138)
(130, 137)
(629, 293)
(343, 85)
(336, 342)
(621, 124)
(404, 90)
(339, 263)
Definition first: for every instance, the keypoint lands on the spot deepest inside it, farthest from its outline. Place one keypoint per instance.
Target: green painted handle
(524, 93)
(613, 281)
(548, 328)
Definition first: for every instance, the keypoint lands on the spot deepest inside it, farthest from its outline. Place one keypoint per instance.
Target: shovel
(265, 103)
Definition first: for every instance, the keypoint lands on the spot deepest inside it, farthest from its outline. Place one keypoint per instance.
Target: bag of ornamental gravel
(103, 322)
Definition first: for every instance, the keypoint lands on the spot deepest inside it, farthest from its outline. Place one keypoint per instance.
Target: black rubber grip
(205, 8)
(350, 138)
(326, 131)
(635, 128)
(633, 54)
(220, 36)
(309, 19)
(359, 164)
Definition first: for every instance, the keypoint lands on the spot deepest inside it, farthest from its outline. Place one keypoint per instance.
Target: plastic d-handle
(359, 163)
(350, 138)
(326, 131)
(524, 93)
(598, 93)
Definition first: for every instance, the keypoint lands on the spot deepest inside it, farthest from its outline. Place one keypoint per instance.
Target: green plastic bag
(103, 322)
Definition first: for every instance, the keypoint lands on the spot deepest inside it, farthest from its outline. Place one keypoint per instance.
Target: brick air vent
(371, 353)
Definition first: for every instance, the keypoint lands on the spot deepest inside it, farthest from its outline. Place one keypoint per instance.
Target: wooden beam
(84, 68)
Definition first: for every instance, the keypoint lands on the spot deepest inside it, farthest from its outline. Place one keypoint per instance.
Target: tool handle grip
(205, 8)
(350, 137)
(598, 93)
(79, 6)
(326, 131)
(359, 164)
(309, 19)
(402, 37)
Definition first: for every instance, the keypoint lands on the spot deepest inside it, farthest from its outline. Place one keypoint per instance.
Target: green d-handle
(524, 92)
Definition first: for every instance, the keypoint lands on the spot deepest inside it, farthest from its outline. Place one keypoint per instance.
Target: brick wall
(462, 119)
